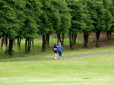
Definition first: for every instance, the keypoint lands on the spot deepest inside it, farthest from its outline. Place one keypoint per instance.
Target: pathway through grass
(51, 55)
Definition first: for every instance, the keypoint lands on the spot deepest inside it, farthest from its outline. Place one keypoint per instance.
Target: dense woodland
(27, 19)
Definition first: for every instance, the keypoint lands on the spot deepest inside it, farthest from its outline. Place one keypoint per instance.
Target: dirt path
(76, 56)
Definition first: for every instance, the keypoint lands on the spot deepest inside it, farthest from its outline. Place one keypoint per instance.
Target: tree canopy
(26, 19)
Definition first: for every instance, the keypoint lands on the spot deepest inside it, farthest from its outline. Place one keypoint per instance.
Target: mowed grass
(92, 70)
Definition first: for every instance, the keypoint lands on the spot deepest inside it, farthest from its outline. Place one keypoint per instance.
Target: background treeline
(26, 19)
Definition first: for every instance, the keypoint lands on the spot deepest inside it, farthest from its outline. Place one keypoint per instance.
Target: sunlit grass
(93, 70)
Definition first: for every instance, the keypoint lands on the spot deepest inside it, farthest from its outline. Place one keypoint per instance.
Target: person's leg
(55, 55)
(60, 54)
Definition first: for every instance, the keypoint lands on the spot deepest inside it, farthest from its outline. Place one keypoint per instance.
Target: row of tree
(26, 19)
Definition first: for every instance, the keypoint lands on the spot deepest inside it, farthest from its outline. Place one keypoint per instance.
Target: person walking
(60, 50)
(55, 50)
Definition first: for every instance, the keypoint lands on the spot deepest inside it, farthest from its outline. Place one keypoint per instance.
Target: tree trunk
(2, 41)
(10, 47)
(97, 37)
(86, 35)
(18, 42)
(5, 40)
(62, 43)
(58, 38)
(29, 46)
(70, 39)
(26, 41)
(109, 35)
(47, 39)
(13, 41)
(32, 43)
(75, 36)
(43, 43)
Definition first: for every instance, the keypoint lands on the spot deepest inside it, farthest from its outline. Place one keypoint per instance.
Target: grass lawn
(92, 70)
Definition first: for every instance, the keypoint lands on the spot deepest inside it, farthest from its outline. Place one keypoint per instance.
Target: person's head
(59, 43)
(55, 43)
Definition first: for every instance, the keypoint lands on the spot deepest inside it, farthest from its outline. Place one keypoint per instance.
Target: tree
(31, 15)
(87, 22)
(9, 23)
(46, 24)
(112, 27)
(55, 18)
(62, 19)
(76, 10)
(108, 17)
(98, 17)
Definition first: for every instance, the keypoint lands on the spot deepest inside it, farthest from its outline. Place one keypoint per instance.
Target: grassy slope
(93, 70)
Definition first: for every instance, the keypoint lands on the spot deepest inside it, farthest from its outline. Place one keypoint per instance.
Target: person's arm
(61, 47)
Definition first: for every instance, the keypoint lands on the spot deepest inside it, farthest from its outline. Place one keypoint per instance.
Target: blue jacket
(59, 48)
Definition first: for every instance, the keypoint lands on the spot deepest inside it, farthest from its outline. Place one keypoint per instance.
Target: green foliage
(46, 24)
(28, 18)
(98, 15)
(76, 10)
(108, 17)
(87, 22)
(9, 23)
(31, 20)
(62, 16)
